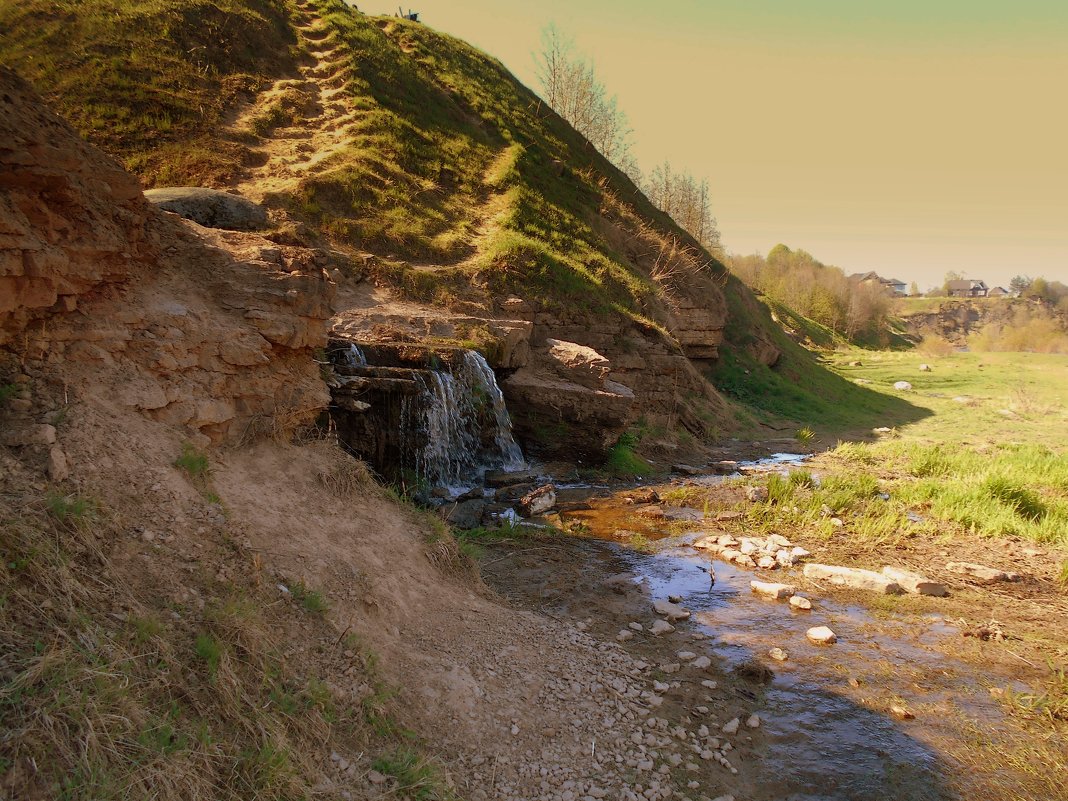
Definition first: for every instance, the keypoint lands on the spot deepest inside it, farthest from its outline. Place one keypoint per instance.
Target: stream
(827, 733)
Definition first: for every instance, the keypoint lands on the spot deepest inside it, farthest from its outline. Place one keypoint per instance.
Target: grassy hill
(460, 181)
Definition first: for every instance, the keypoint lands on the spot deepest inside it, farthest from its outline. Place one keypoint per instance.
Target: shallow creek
(828, 730)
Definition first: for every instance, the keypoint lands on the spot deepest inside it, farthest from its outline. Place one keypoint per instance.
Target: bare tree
(571, 86)
(686, 200)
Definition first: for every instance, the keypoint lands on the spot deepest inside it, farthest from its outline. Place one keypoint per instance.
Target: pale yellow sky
(910, 138)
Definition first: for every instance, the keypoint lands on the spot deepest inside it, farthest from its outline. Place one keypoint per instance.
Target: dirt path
(319, 103)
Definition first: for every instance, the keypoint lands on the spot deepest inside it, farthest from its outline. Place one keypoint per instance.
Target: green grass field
(989, 453)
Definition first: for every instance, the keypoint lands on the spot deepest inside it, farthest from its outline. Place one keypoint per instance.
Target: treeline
(571, 86)
(820, 292)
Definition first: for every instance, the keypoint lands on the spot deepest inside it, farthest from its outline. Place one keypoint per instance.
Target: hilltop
(424, 166)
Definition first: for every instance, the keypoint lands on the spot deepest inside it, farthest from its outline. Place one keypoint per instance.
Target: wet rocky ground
(907, 703)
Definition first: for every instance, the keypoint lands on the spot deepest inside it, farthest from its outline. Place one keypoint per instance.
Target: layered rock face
(208, 329)
(70, 218)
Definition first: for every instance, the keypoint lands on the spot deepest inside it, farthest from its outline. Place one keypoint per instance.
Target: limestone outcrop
(71, 219)
(211, 208)
(208, 329)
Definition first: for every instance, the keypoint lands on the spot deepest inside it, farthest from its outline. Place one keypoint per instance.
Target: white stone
(624, 635)
(854, 578)
(798, 553)
(800, 602)
(701, 663)
(771, 590)
(686, 656)
(669, 610)
(821, 635)
(904, 386)
(914, 582)
(708, 684)
(753, 721)
(636, 626)
(778, 654)
(981, 573)
(767, 562)
(731, 726)
(661, 627)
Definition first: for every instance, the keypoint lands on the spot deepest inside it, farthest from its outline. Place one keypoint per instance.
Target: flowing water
(827, 734)
(456, 427)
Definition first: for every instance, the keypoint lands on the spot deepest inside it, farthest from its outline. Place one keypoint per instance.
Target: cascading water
(407, 409)
(448, 424)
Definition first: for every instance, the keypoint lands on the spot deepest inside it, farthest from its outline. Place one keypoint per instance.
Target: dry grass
(123, 677)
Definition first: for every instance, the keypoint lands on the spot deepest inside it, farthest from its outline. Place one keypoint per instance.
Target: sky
(911, 137)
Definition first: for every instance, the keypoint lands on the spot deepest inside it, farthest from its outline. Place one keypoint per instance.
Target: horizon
(911, 141)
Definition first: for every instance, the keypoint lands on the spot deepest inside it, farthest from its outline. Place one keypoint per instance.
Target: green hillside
(457, 178)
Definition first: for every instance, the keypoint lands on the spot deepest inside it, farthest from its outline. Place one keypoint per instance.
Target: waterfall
(482, 373)
(354, 357)
(437, 414)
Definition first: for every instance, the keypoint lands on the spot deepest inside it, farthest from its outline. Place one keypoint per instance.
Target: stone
(506, 478)
(636, 626)
(903, 386)
(211, 208)
(981, 573)
(686, 656)
(466, 515)
(854, 578)
(925, 368)
(778, 654)
(660, 627)
(901, 712)
(784, 558)
(58, 469)
(821, 635)
(578, 363)
(538, 502)
(753, 721)
(625, 635)
(749, 546)
(800, 602)
(779, 541)
(731, 726)
(914, 582)
(701, 663)
(672, 612)
(799, 553)
(686, 469)
(675, 599)
(376, 778)
(771, 590)
(728, 515)
(756, 494)
(642, 495)
(767, 562)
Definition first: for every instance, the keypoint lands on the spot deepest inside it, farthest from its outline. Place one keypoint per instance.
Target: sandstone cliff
(98, 290)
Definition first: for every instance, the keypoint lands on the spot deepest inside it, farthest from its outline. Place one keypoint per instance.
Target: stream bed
(866, 718)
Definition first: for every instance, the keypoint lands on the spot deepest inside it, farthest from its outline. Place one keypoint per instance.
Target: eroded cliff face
(207, 329)
(955, 320)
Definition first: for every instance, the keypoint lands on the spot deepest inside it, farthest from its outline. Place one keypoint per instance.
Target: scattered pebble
(778, 654)
(753, 721)
(800, 602)
(731, 726)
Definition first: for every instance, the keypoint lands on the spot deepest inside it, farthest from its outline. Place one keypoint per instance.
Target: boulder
(770, 590)
(505, 478)
(904, 386)
(464, 515)
(669, 610)
(821, 635)
(578, 363)
(914, 582)
(539, 501)
(211, 208)
(981, 573)
(853, 578)
(686, 469)
(660, 627)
